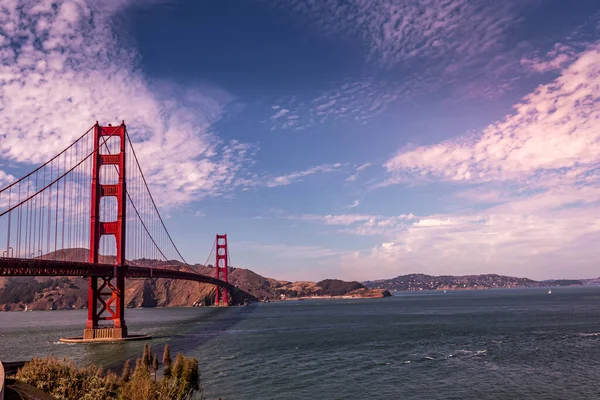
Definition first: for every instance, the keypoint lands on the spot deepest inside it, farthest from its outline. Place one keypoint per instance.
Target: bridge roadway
(37, 267)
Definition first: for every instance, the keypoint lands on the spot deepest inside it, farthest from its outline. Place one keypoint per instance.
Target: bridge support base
(105, 339)
(104, 333)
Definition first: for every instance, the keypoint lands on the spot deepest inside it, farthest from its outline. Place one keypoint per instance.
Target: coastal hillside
(463, 282)
(48, 293)
(325, 288)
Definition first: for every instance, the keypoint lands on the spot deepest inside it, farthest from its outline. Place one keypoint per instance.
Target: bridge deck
(39, 267)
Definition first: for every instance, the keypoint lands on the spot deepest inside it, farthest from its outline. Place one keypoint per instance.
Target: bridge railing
(38, 267)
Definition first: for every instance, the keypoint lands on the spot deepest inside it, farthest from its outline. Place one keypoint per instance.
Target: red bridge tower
(221, 264)
(106, 301)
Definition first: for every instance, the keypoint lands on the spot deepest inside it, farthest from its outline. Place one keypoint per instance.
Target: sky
(356, 139)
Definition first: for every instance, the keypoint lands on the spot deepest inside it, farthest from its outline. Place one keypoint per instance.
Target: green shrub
(63, 380)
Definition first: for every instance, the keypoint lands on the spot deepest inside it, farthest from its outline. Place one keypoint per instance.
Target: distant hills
(325, 288)
(464, 282)
(46, 293)
(592, 281)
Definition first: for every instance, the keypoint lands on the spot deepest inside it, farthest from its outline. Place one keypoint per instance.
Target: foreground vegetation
(63, 380)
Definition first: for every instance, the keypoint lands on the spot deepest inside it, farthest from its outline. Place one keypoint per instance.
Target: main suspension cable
(53, 182)
(211, 251)
(152, 199)
(47, 162)
(153, 204)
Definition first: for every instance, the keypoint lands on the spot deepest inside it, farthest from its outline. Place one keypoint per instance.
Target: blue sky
(355, 139)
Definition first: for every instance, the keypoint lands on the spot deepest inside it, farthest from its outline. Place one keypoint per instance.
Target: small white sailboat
(549, 291)
(25, 307)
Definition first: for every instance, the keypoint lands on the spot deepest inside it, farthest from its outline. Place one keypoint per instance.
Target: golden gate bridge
(94, 195)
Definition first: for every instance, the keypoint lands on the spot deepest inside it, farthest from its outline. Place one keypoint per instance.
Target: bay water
(491, 344)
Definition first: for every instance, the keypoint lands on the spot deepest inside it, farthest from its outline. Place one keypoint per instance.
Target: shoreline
(328, 298)
(342, 297)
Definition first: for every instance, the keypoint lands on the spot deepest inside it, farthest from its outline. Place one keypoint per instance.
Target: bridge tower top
(118, 190)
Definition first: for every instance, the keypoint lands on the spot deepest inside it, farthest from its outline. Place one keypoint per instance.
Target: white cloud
(559, 57)
(532, 206)
(467, 46)
(280, 113)
(542, 237)
(556, 244)
(344, 219)
(358, 169)
(554, 129)
(536, 173)
(255, 180)
(5, 178)
(287, 179)
(358, 101)
(360, 224)
(433, 222)
(324, 106)
(363, 167)
(395, 31)
(434, 45)
(291, 251)
(549, 235)
(354, 204)
(62, 68)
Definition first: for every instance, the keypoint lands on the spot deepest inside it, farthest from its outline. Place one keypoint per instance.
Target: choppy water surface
(486, 345)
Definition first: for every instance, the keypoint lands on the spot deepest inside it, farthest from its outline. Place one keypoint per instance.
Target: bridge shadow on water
(183, 337)
(218, 323)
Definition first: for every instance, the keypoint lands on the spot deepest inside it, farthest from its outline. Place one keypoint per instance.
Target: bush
(63, 380)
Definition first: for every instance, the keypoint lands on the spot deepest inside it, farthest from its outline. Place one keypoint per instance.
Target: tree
(194, 374)
(167, 362)
(147, 355)
(139, 367)
(155, 365)
(141, 385)
(126, 374)
(178, 366)
(167, 355)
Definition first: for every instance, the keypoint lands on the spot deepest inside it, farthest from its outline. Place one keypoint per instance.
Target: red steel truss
(106, 302)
